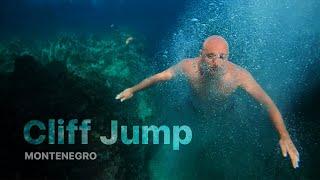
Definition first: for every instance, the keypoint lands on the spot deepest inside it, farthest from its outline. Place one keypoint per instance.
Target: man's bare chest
(215, 85)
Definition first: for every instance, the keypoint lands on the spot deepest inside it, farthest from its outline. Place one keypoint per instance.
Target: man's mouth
(212, 66)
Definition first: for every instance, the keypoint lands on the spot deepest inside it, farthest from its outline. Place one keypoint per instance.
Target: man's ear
(200, 52)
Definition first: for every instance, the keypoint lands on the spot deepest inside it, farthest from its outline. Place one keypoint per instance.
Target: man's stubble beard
(211, 72)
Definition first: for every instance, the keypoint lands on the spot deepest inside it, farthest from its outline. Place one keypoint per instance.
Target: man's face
(214, 52)
(214, 57)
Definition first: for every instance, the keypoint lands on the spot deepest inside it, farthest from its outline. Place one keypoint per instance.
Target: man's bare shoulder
(238, 71)
(189, 63)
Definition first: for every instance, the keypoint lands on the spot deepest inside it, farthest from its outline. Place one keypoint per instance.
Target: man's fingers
(125, 98)
(124, 95)
(283, 149)
(118, 96)
(294, 159)
(294, 155)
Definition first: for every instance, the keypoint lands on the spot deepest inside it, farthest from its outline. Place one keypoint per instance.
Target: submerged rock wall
(72, 77)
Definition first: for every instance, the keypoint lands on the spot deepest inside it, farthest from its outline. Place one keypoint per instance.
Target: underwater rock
(73, 77)
(26, 65)
(105, 59)
(36, 91)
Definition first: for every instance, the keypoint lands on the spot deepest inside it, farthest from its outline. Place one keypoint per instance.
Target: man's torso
(212, 84)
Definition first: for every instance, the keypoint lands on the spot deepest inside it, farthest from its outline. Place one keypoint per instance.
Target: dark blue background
(42, 19)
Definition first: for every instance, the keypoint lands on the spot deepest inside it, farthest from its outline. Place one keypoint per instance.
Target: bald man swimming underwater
(213, 64)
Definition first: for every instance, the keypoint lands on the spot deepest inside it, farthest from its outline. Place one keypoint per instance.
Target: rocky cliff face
(68, 78)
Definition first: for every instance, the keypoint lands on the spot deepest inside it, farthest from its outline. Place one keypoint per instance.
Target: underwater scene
(161, 90)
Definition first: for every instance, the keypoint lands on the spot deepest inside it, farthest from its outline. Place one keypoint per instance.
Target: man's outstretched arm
(162, 76)
(253, 88)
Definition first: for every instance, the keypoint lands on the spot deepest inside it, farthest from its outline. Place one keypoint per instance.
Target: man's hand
(124, 95)
(288, 147)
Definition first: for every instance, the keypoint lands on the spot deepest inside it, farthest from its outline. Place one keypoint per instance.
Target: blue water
(277, 41)
(43, 19)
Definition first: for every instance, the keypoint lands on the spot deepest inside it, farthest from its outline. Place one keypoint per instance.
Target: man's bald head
(216, 44)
